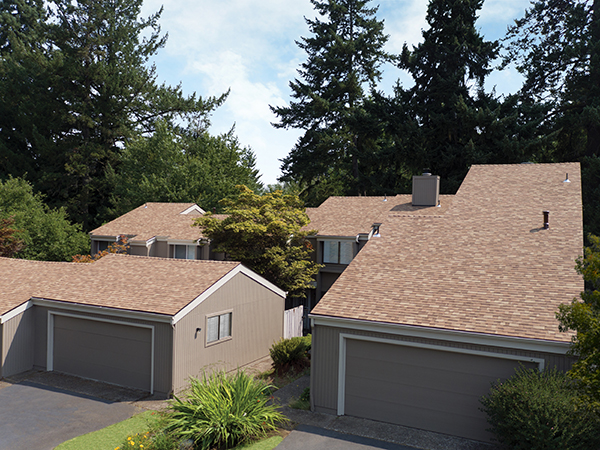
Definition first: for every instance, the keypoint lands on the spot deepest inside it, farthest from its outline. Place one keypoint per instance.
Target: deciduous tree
(264, 232)
(583, 316)
(9, 243)
(47, 233)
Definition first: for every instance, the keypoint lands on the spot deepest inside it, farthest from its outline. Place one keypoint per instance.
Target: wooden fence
(292, 323)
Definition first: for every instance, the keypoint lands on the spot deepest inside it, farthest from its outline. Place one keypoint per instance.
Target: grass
(111, 436)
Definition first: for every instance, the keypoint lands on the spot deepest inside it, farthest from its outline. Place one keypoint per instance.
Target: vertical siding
(324, 369)
(163, 344)
(325, 359)
(18, 336)
(256, 323)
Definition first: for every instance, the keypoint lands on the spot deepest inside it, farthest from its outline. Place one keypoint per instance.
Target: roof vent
(567, 179)
(426, 189)
(546, 220)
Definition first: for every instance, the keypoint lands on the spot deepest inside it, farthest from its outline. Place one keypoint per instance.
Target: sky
(249, 47)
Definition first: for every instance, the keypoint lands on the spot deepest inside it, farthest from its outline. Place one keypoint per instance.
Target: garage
(104, 350)
(422, 386)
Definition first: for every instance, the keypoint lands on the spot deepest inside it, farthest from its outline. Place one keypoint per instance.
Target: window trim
(219, 338)
(338, 243)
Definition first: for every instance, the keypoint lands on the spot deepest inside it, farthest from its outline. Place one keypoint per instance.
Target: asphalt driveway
(35, 416)
(308, 437)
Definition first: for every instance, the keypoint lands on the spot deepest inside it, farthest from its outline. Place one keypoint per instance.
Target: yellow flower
(129, 438)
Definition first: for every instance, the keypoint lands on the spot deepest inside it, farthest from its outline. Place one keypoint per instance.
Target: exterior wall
(17, 352)
(163, 343)
(160, 249)
(256, 323)
(325, 360)
(138, 250)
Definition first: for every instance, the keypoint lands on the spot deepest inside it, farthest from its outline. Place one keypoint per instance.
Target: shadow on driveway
(314, 438)
(36, 416)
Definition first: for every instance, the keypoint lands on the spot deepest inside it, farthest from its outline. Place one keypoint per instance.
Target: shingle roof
(156, 285)
(154, 219)
(349, 216)
(484, 265)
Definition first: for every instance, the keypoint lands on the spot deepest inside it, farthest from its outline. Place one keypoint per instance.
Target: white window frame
(190, 251)
(222, 335)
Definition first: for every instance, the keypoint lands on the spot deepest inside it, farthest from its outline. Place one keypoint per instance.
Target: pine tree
(345, 53)
(556, 46)
(92, 90)
(447, 109)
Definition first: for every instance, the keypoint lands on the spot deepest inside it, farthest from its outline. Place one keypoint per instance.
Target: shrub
(290, 354)
(540, 410)
(223, 410)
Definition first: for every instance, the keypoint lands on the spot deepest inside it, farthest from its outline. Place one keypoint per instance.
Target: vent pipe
(546, 222)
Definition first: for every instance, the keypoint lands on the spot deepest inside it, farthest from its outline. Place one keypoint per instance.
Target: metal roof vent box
(425, 189)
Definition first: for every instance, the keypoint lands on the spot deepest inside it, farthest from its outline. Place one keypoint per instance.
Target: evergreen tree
(183, 165)
(344, 56)
(89, 91)
(556, 46)
(447, 111)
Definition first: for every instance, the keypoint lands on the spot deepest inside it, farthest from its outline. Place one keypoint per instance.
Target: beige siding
(257, 322)
(160, 249)
(17, 351)
(163, 344)
(138, 250)
(325, 359)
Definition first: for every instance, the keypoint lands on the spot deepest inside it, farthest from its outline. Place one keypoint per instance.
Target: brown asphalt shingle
(483, 264)
(155, 285)
(154, 219)
(349, 216)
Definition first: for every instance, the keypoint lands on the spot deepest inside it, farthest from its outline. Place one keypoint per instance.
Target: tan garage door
(421, 388)
(103, 351)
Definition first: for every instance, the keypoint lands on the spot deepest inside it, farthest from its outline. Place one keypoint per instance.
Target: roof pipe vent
(567, 179)
(426, 189)
(546, 223)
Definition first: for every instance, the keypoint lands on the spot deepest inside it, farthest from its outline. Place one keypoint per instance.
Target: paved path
(306, 437)
(34, 416)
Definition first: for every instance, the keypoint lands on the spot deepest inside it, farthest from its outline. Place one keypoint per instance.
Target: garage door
(104, 351)
(422, 388)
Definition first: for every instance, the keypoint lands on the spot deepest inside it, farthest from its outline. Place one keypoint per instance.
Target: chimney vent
(426, 189)
(546, 223)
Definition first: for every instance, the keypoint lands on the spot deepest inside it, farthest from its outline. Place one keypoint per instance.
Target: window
(184, 251)
(218, 327)
(338, 252)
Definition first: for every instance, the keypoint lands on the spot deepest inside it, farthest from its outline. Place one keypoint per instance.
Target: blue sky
(248, 46)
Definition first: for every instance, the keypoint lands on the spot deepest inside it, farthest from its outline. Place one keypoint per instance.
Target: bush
(536, 410)
(290, 354)
(223, 410)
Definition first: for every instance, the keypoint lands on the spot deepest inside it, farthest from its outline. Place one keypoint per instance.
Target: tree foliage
(583, 316)
(264, 232)
(344, 53)
(46, 233)
(556, 46)
(120, 246)
(448, 117)
(77, 85)
(183, 165)
(9, 243)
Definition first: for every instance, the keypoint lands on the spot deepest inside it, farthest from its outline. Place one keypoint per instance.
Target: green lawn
(113, 436)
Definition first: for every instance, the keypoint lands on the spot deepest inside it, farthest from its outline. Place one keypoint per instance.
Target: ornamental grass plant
(222, 410)
(536, 410)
